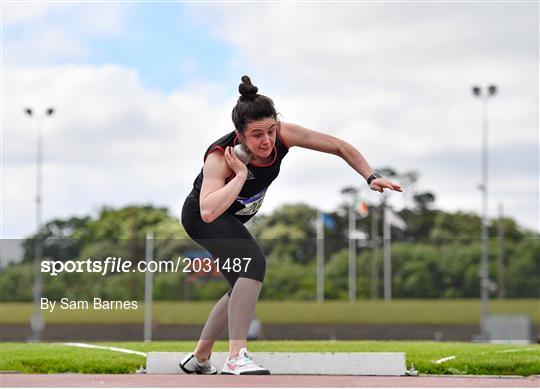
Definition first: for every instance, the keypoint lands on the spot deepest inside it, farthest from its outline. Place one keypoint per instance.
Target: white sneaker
(243, 365)
(190, 365)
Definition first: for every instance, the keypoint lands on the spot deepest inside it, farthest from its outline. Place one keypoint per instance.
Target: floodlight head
(492, 89)
(476, 90)
(28, 111)
(349, 190)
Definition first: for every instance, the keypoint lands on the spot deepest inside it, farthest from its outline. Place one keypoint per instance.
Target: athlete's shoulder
(288, 132)
(215, 165)
(220, 144)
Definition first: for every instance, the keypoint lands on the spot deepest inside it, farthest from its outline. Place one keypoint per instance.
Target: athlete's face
(260, 136)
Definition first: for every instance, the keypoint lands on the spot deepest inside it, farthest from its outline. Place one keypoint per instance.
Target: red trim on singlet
(223, 150)
(214, 149)
(235, 141)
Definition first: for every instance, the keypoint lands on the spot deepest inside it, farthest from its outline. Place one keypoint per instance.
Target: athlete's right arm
(216, 193)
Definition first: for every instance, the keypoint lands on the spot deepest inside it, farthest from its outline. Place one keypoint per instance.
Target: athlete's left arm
(295, 135)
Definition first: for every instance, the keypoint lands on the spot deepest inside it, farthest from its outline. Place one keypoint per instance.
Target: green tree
(288, 233)
(523, 273)
(460, 226)
(61, 239)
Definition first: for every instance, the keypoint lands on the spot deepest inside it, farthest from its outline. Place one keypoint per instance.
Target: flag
(328, 221)
(394, 219)
(357, 234)
(362, 208)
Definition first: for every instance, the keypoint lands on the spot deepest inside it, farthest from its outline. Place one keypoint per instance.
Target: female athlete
(226, 194)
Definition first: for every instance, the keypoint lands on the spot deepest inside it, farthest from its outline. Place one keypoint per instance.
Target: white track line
(444, 359)
(514, 350)
(117, 349)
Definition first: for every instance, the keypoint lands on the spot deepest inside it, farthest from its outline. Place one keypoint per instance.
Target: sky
(141, 89)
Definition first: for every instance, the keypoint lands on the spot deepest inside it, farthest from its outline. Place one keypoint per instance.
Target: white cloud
(395, 80)
(49, 45)
(103, 20)
(45, 33)
(19, 13)
(111, 141)
(392, 79)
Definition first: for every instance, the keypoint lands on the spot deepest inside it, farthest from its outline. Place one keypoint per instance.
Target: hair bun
(246, 88)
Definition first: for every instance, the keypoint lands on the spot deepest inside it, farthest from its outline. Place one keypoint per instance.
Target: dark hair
(251, 105)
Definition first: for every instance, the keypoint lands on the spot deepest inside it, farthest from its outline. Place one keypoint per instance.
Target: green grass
(484, 359)
(443, 311)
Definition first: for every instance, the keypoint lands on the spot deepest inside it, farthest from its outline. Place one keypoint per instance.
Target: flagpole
(374, 244)
(352, 248)
(320, 257)
(387, 256)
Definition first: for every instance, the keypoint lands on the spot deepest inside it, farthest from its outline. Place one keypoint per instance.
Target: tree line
(437, 256)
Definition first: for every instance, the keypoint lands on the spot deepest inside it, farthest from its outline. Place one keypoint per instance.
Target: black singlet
(259, 178)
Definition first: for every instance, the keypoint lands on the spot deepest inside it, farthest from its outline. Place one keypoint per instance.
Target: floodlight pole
(37, 323)
(491, 90)
(148, 288)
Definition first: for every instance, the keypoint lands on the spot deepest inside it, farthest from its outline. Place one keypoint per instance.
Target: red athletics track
(170, 381)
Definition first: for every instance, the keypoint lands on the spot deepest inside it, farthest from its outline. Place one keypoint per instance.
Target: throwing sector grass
(427, 357)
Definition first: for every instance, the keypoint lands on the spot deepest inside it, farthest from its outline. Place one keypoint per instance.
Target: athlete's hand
(380, 184)
(237, 166)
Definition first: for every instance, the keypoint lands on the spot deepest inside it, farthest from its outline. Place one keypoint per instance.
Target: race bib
(251, 204)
